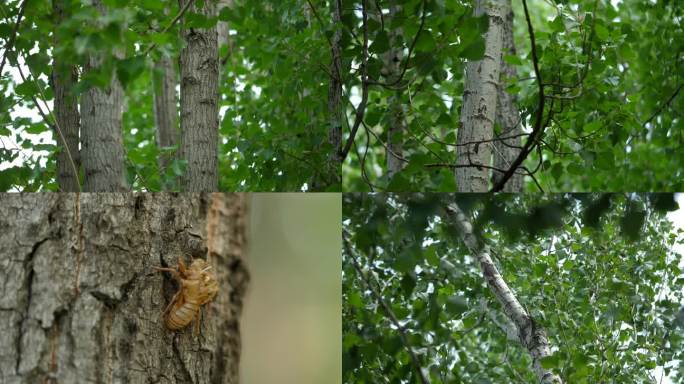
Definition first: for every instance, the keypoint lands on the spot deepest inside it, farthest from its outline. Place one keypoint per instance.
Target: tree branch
(388, 311)
(664, 105)
(171, 24)
(361, 110)
(10, 41)
(531, 335)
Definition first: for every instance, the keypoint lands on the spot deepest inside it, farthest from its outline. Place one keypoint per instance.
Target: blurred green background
(292, 320)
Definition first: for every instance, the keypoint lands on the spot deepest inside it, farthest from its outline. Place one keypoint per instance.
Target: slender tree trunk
(528, 332)
(165, 109)
(479, 105)
(80, 302)
(397, 120)
(66, 111)
(223, 27)
(507, 149)
(199, 103)
(335, 106)
(103, 151)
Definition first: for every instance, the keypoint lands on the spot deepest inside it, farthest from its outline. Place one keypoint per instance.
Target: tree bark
(66, 111)
(101, 113)
(335, 106)
(507, 149)
(165, 110)
(530, 334)
(199, 104)
(397, 120)
(80, 301)
(479, 105)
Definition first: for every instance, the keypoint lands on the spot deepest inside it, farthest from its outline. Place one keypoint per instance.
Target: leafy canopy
(598, 272)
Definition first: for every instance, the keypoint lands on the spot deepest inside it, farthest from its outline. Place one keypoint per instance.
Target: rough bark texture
(103, 151)
(199, 104)
(507, 115)
(479, 105)
(530, 334)
(165, 109)
(397, 120)
(80, 302)
(66, 111)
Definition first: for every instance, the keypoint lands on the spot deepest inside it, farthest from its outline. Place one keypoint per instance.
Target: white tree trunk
(103, 152)
(530, 334)
(507, 114)
(199, 104)
(66, 111)
(80, 302)
(479, 105)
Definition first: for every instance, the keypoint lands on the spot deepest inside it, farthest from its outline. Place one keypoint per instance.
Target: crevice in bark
(28, 287)
(79, 241)
(187, 377)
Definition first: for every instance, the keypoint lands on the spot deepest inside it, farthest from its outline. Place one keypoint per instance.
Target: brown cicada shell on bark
(198, 286)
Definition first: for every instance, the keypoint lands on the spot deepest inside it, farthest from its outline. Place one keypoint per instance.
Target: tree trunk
(479, 105)
(80, 301)
(103, 151)
(527, 331)
(66, 111)
(223, 29)
(335, 106)
(165, 110)
(397, 120)
(507, 149)
(199, 103)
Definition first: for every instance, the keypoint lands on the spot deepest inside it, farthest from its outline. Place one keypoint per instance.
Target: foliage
(612, 75)
(273, 128)
(598, 272)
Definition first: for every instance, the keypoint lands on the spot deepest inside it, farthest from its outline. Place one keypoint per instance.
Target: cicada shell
(198, 286)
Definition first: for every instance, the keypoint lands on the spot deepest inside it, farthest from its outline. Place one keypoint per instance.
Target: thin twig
(171, 24)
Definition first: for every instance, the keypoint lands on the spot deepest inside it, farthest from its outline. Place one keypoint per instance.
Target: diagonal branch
(531, 335)
(664, 105)
(388, 311)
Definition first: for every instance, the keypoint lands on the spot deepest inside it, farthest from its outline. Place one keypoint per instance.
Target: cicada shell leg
(173, 300)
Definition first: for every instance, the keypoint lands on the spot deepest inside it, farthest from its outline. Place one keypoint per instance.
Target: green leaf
(198, 20)
(456, 305)
(601, 32)
(550, 362)
(425, 43)
(475, 50)
(381, 44)
(512, 60)
(26, 89)
(127, 70)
